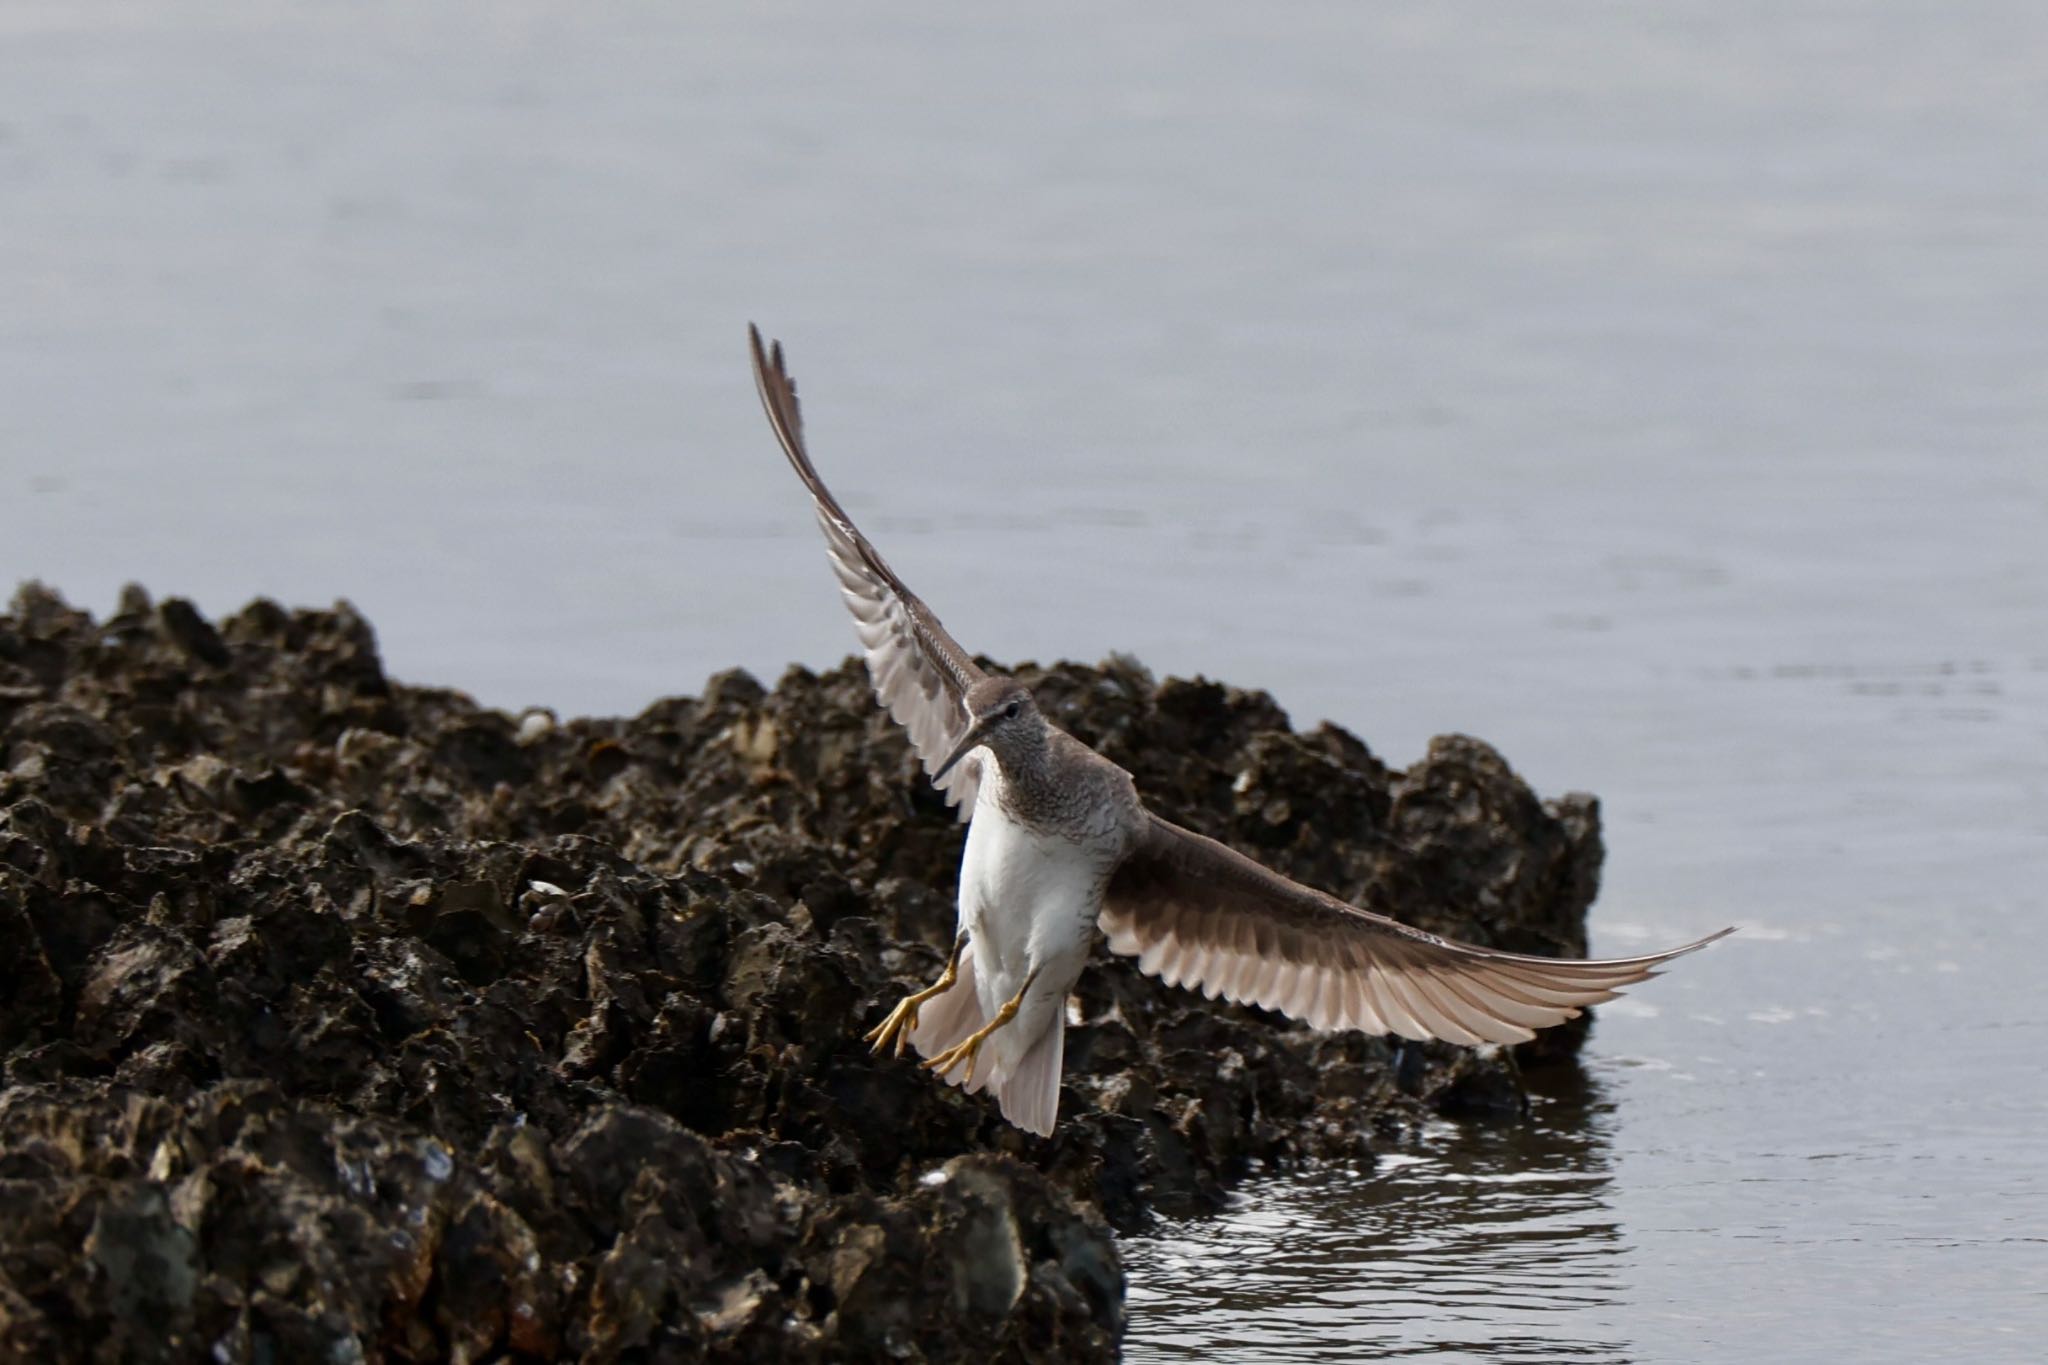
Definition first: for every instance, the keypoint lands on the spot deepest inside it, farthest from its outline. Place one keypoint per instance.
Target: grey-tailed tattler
(1060, 847)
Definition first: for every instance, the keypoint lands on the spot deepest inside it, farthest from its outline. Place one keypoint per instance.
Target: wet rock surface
(346, 1020)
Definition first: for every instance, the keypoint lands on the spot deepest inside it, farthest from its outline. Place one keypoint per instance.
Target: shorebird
(1060, 847)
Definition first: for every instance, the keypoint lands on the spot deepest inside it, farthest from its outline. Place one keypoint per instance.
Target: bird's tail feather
(1030, 1093)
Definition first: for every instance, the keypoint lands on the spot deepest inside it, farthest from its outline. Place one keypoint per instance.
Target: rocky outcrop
(347, 1020)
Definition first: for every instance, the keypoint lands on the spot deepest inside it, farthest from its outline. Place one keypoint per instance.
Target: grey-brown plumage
(1060, 846)
(920, 671)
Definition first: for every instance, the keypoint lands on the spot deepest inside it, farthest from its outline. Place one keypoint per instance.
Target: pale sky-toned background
(1661, 396)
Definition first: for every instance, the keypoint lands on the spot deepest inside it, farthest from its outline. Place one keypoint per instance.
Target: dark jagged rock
(345, 1020)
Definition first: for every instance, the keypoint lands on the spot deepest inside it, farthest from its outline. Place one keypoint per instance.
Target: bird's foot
(968, 1049)
(900, 1024)
(902, 1021)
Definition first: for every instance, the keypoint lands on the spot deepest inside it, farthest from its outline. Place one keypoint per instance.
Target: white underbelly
(1028, 903)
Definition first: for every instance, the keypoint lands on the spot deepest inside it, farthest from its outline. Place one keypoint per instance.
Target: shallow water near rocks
(1662, 398)
(1501, 1242)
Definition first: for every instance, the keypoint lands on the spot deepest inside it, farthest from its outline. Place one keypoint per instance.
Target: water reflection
(1488, 1244)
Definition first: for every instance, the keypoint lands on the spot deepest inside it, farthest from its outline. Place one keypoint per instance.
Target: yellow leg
(903, 1019)
(969, 1048)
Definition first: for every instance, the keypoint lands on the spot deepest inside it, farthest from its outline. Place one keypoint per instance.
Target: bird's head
(1001, 716)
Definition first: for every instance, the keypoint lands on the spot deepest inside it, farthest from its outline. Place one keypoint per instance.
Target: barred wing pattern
(920, 672)
(1196, 913)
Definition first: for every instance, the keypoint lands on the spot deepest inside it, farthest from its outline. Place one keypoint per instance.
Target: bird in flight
(1061, 847)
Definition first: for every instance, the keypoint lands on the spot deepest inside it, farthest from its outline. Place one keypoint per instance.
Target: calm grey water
(1662, 396)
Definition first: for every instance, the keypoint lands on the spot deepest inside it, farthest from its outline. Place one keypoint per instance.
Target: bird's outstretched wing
(1196, 913)
(919, 671)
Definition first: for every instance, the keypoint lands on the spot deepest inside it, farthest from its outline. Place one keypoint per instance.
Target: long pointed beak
(969, 742)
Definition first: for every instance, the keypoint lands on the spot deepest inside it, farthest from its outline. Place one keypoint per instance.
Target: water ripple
(1486, 1245)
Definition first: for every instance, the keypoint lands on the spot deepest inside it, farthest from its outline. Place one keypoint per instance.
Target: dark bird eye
(1011, 711)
